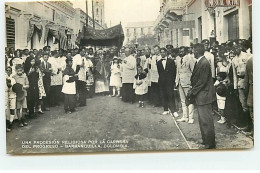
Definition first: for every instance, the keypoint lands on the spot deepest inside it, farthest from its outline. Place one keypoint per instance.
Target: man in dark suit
(167, 73)
(47, 71)
(203, 93)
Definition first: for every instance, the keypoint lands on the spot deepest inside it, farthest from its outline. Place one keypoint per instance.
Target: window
(10, 32)
(127, 31)
(135, 31)
(149, 30)
(97, 11)
(142, 30)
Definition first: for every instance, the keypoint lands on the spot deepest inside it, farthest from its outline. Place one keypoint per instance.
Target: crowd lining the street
(39, 79)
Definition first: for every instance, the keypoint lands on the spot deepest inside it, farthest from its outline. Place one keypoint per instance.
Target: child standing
(33, 90)
(115, 78)
(21, 102)
(10, 81)
(221, 95)
(140, 86)
(69, 87)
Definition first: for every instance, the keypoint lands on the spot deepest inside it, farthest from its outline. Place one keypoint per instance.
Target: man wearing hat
(210, 57)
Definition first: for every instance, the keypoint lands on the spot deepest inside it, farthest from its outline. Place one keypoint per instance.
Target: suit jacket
(184, 70)
(46, 71)
(167, 76)
(203, 89)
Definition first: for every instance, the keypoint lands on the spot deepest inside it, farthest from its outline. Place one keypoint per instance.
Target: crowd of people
(177, 79)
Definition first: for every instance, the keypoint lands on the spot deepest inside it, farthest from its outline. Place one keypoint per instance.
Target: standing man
(80, 66)
(239, 70)
(210, 57)
(185, 65)
(155, 91)
(128, 76)
(167, 73)
(203, 93)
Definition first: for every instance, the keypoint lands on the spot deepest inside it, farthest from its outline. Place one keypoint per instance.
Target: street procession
(182, 79)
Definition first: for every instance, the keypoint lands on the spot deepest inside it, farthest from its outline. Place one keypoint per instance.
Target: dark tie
(181, 60)
(195, 65)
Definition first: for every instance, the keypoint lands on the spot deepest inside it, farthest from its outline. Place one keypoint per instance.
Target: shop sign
(221, 3)
(60, 18)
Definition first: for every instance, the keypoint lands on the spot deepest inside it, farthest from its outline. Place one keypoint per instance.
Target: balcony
(171, 11)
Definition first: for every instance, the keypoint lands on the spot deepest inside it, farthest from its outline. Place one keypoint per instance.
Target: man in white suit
(185, 65)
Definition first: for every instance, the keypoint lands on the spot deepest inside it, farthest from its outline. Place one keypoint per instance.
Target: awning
(53, 30)
(113, 36)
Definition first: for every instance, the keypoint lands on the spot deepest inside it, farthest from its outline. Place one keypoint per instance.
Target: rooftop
(140, 24)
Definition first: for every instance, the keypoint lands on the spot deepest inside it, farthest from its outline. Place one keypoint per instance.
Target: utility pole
(87, 13)
(93, 16)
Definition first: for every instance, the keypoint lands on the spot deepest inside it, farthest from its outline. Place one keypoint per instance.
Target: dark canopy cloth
(113, 36)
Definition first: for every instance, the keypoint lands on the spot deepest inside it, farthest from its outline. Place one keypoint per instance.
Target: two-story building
(182, 22)
(33, 25)
(135, 30)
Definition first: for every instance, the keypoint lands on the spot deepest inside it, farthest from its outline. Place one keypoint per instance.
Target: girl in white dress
(115, 78)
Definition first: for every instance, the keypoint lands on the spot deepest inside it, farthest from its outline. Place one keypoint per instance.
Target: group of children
(140, 82)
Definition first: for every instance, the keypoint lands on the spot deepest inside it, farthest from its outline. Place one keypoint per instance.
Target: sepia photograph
(122, 76)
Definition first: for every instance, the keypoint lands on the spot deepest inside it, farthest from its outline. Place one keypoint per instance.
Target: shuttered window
(10, 32)
(233, 26)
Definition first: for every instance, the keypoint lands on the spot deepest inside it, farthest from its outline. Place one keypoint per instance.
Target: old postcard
(128, 75)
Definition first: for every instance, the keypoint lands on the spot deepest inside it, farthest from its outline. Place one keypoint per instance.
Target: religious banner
(113, 36)
(32, 26)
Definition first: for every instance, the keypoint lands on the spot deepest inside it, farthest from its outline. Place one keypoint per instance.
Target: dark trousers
(167, 98)
(32, 99)
(155, 94)
(128, 93)
(206, 125)
(54, 95)
(69, 102)
(82, 91)
(140, 98)
(47, 87)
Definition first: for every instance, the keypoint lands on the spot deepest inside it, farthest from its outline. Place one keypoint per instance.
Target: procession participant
(140, 86)
(147, 70)
(56, 78)
(155, 91)
(249, 91)
(33, 90)
(11, 96)
(90, 76)
(101, 74)
(80, 66)
(21, 101)
(239, 70)
(128, 74)
(69, 86)
(210, 57)
(115, 80)
(169, 49)
(203, 94)
(47, 72)
(185, 65)
(166, 81)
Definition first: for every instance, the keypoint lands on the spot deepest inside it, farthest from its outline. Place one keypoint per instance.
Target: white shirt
(199, 59)
(164, 62)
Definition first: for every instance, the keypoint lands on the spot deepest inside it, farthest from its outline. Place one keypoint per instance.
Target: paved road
(108, 124)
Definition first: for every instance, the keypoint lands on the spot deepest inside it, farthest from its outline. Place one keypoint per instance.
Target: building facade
(33, 25)
(182, 22)
(136, 30)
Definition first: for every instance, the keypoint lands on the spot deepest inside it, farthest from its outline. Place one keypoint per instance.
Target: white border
(248, 159)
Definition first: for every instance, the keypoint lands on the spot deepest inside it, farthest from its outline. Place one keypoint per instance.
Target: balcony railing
(171, 5)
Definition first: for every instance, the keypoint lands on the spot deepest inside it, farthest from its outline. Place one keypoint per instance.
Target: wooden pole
(93, 15)
(87, 13)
